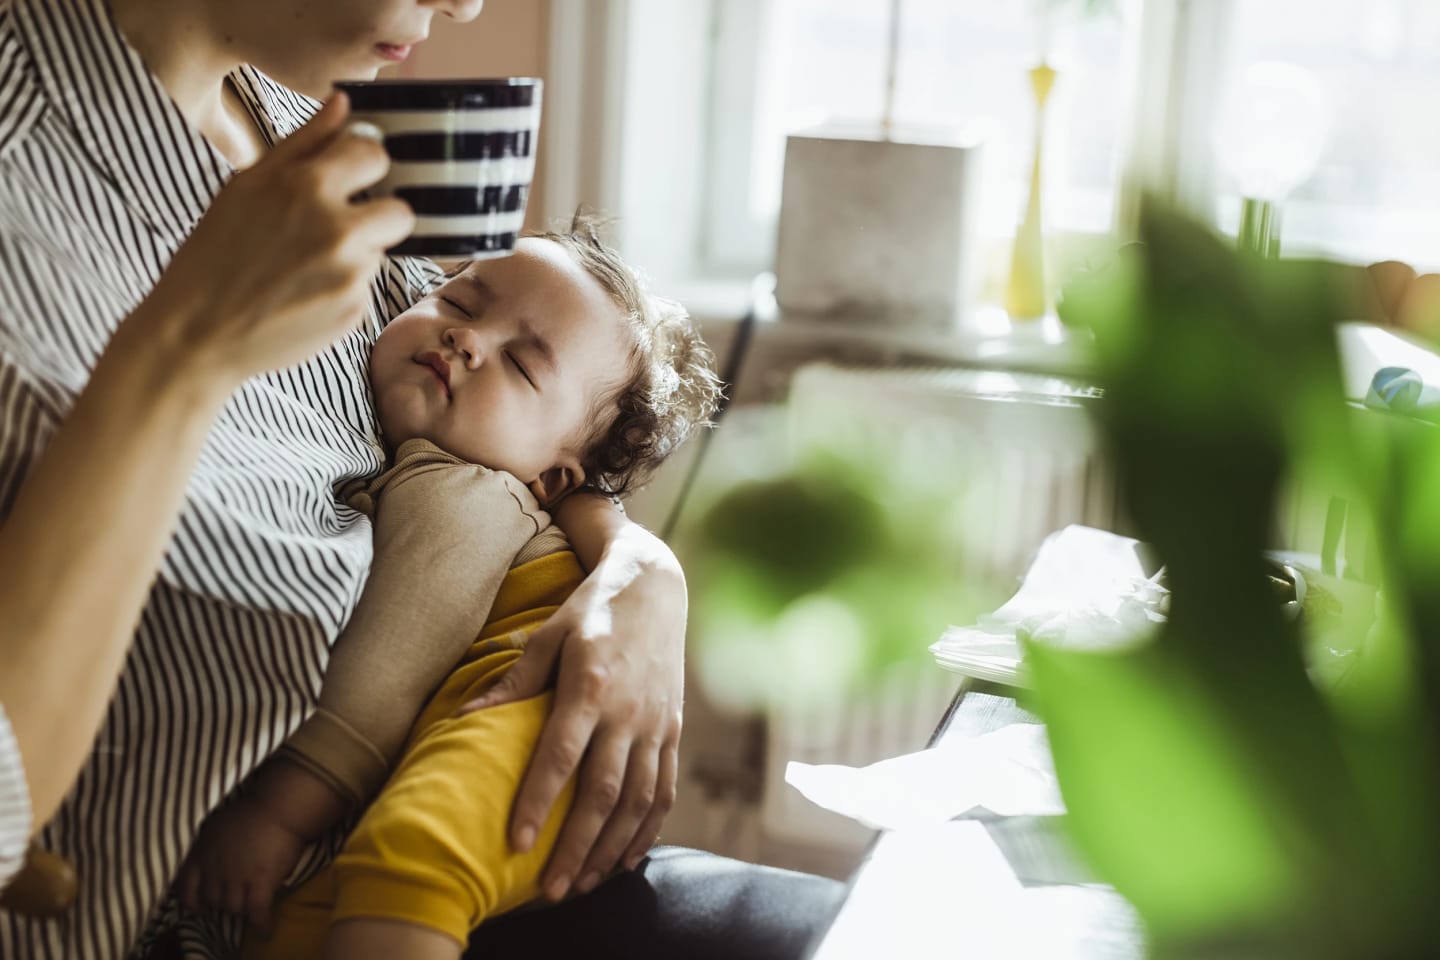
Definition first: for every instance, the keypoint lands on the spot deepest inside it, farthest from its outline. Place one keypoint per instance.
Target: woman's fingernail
(366, 130)
(557, 888)
(588, 882)
(524, 839)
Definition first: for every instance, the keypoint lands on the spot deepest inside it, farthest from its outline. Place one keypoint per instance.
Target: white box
(877, 231)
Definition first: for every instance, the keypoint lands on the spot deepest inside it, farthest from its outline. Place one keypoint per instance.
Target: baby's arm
(248, 847)
(445, 534)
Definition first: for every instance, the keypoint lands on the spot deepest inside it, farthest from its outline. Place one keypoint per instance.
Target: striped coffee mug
(462, 154)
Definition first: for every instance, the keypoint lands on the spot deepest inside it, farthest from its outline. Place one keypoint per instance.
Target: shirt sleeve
(15, 812)
(446, 532)
(27, 421)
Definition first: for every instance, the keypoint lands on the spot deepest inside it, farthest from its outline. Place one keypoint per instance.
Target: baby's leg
(361, 939)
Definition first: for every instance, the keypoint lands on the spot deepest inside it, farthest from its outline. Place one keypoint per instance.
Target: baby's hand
(242, 856)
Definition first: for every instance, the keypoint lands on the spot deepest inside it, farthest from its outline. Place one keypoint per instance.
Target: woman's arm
(619, 642)
(89, 526)
(82, 543)
(592, 522)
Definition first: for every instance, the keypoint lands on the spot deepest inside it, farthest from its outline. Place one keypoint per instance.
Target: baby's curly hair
(672, 389)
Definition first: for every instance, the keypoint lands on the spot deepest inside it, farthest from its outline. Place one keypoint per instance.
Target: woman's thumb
(527, 677)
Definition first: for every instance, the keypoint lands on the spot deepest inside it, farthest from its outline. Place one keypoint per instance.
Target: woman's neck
(191, 58)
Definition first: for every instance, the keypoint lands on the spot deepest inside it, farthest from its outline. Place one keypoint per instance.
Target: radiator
(1031, 467)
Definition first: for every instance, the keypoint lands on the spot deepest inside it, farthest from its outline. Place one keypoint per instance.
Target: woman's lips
(394, 52)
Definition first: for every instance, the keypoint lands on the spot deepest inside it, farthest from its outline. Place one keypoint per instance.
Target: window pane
(962, 70)
(1375, 192)
(825, 63)
(966, 64)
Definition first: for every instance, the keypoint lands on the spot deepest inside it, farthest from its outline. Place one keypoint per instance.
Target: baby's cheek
(401, 418)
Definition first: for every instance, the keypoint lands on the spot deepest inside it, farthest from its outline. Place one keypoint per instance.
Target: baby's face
(502, 365)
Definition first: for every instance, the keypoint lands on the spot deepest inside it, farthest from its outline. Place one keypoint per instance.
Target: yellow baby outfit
(433, 849)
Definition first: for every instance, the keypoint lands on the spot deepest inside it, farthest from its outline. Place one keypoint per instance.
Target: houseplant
(1246, 810)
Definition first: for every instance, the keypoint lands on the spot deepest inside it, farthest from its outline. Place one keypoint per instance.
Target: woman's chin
(320, 86)
(363, 73)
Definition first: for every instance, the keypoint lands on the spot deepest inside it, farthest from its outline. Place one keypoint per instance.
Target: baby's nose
(465, 344)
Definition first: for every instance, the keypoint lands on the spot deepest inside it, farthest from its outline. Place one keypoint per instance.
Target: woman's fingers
(347, 164)
(562, 745)
(557, 756)
(312, 251)
(611, 694)
(648, 832)
(383, 223)
(602, 777)
(633, 809)
(527, 677)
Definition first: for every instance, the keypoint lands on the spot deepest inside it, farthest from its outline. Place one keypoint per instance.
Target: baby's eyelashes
(455, 305)
(515, 362)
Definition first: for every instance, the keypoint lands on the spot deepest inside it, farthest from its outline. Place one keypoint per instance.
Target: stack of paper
(1007, 772)
(1086, 587)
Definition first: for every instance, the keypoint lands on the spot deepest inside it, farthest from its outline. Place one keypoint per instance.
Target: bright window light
(1375, 190)
(962, 75)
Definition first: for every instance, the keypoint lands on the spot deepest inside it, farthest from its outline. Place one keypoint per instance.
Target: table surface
(979, 886)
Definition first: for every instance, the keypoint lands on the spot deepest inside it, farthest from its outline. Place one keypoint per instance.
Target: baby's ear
(559, 480)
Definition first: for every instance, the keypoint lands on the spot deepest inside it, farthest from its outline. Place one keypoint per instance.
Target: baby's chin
(401, 411)
(393, 435)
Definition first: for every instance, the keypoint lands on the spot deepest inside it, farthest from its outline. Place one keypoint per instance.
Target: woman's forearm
(591, 522)
(80, 548)
(615, 550)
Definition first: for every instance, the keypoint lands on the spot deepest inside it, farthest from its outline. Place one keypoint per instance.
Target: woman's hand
(618, 643)
(310, 254)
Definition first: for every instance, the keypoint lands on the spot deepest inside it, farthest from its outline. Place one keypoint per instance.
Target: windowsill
(1366, 348)
(780, 344)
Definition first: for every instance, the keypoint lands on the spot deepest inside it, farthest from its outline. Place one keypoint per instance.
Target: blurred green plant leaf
(1140, 751)
(1268, 821)
(797, 532)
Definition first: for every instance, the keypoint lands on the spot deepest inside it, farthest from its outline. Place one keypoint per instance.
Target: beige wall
(510, 38)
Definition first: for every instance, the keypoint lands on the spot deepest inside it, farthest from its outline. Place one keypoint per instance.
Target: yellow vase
(1025, 294)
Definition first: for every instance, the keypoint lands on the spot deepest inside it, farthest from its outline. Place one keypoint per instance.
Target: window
(687, 106)
(1375, 191)
(787, 65)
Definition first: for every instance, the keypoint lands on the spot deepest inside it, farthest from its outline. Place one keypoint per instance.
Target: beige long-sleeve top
(445, 532)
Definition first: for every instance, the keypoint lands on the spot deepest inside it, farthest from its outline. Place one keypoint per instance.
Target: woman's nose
(467, 345)
(461, 11)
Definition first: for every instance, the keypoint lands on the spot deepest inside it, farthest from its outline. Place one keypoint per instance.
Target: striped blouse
(14, 804)
(101, 178)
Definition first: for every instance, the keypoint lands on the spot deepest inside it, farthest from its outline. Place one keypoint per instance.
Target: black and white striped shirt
(101, 179)
(14, 804)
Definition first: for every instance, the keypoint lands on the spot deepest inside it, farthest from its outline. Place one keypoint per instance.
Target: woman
(119, 128)
(140, 422)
